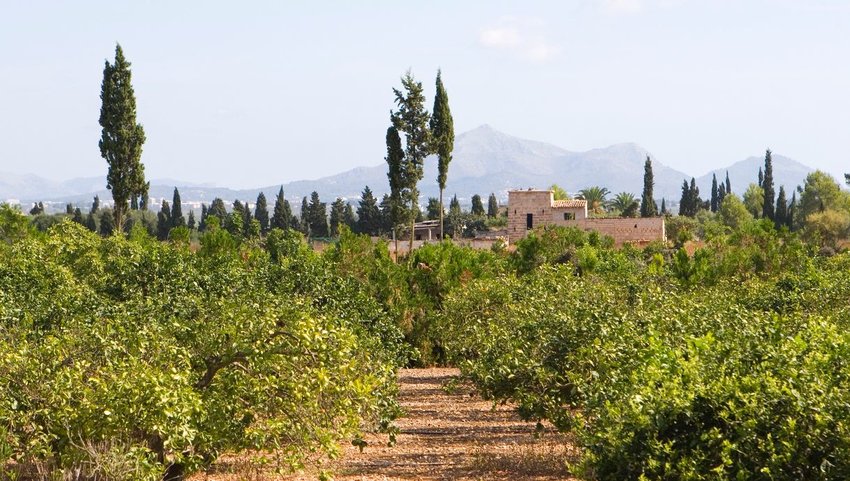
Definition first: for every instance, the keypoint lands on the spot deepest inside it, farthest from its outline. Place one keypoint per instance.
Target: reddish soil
(446, 434)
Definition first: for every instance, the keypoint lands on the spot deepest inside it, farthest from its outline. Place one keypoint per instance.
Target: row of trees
(315, 219)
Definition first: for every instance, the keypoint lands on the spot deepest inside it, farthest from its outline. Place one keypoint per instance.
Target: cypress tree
(477, 205)
(163, 221)
(145, 200)
(261, 213)
(443, 138)
(202, 226)
(761, 177)
(728, 184)
(368, 214)
(412, 119)
(78, 216)
(395, 174)
(432, 211)
(454, 206)
(191, 223)
(91, 223)
(663, 207)
(715, 194)
(781, 212)
(386, 208)
(695, 203)
(69, 209)
(304, 224)
(792, 210)
(95, 205)
(337, 214)
(121, 137)
(282, 216)
(317, 216)
(492, 206)
(107, 223)
(247, 220)
(648, 208)
(721, 194)
(177, 219)
(768, 208)
(348, 217)
(217, 209)
(684, 203)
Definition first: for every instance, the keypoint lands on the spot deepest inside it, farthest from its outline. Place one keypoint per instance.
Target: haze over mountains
(485, 160)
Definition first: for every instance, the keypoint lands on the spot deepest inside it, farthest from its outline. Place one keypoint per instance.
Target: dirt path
(449, 436)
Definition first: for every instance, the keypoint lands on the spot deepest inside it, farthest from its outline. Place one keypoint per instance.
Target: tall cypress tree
(721, 194)
(477, 205)
(411, 118)
(761, 177)
(247, 219)
(78, 216)
(107, 223)
(648, 208)
(91, 223)
(95, 205)
(348, 217)
(395, 174)
(202, 225)
(443, 138)
(163, 221)
(317, 216)
(121, 137)
(191, 222)
(492, 206)
(715, 194)
(728, 184)
(781, 212)
(177, 219)
(695, 202)
(304, 221)
(768, 208)
(337, 216)
(282, 216)
(368, 214)
(792, 210)
(684, 203)
(261, 213)
(663, 207)
(217, 209)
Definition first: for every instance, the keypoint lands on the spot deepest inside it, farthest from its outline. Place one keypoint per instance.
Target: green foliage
(754, 200)
(723, 365)
(769, 206)
(648, 207)
(368, 214)
(558, 192)
(128, 355)
(121, 137)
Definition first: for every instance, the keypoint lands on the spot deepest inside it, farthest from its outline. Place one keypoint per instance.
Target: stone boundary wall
(625, 230)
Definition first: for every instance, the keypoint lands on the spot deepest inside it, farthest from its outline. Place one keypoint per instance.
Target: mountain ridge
(485, 160)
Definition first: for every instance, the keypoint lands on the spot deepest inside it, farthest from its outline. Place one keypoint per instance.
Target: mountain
(787, 172)
(485, 160)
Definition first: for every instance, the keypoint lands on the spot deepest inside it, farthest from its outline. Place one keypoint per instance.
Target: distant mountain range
(485, 161)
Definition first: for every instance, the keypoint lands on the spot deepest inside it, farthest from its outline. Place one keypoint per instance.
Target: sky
(252, 93)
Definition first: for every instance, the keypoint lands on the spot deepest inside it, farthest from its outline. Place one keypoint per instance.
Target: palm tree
(624, 204)
(595, 197)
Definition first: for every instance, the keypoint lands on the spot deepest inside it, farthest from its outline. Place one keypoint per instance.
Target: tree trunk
(441, 214)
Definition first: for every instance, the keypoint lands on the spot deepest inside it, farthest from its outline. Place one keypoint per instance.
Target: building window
(529, 221)
(569, 216)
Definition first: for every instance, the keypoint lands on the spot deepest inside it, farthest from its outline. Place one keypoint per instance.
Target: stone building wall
(540, 205)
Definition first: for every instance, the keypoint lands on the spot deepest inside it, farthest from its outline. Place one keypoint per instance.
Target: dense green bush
(143, 355)
(729, 364)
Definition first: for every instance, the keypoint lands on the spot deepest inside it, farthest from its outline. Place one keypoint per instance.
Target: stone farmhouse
(531, 208)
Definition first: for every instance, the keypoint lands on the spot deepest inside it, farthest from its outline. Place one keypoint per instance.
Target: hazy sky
(246, 94)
